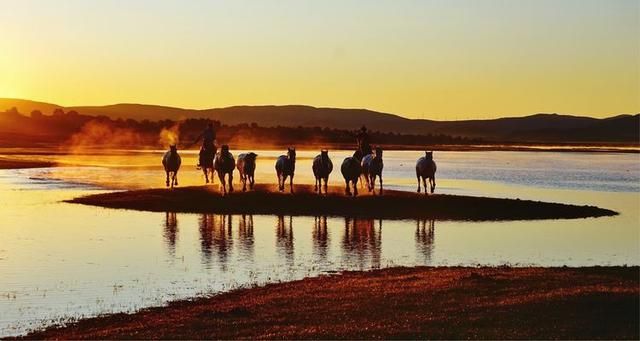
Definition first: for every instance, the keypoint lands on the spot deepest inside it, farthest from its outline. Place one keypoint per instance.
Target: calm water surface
(60, 261)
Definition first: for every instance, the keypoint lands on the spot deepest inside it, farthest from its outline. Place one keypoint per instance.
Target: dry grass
(406, 303)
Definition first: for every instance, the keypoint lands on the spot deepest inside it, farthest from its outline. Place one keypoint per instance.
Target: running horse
(205, 161)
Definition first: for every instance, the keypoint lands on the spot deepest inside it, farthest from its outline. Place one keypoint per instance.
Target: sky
(453, 59)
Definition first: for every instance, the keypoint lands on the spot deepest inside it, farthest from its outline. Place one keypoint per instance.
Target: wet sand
(265, 199)
(406, 303)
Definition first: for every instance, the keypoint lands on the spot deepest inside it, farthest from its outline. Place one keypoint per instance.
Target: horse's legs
(243, 179)
(433, 183)
(424, 184)
(231, 182)
(206, 174)
(167, 178)
(224, 186)
(380, 175)
(347, 190)
(175, 177)
(325, 185)
(291, 183)
(355, 187)
(316, 185)
(418, 176)
(252, 181)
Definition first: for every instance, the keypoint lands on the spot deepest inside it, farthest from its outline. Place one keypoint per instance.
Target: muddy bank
(392, 205)
(6, 163)
(406, 303)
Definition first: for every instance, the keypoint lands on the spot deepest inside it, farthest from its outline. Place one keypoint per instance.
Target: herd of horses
(353, 168)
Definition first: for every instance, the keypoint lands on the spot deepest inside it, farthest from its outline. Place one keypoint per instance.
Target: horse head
(429, 155)
(225, 149)
(324, 154)
(379, 152)
(291, 152)
(251, 156)
(173, 148)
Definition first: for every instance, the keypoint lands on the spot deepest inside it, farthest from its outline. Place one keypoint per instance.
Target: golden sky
(427, 59)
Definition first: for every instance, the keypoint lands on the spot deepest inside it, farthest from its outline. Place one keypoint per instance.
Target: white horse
(372, 168)
(286, 167)
(426, 168)
(171, 162)
(246, 165)
(322, 167)
(351, 170)
(224, 164)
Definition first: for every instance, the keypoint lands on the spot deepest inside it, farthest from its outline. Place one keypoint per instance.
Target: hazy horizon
(441, 60)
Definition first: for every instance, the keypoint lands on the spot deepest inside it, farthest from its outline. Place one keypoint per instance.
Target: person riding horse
(208, 137)
(362, 138)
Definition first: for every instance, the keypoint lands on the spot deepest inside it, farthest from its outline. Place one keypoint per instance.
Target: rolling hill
(534, 128)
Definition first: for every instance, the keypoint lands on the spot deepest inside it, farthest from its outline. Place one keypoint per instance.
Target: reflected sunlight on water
(62, 260)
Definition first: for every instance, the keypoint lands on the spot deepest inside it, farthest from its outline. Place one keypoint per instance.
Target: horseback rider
(362, 138)
(208, 137)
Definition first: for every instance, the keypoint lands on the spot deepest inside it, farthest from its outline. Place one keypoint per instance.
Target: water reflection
(284, 238)
(245, 237)
(362, 242)
(425, 231)
(320, 238)
(215, 237)
(170, 232)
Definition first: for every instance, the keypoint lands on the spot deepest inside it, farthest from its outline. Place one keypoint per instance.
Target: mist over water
(61, 261)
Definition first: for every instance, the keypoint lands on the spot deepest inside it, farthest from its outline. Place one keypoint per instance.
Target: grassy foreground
(392, 205)
(407, 303)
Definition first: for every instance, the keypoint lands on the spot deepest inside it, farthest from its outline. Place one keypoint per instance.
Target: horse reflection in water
(284, 239)
(170, 232)
(320, 238)
(362, 241)
(245, 237)
(215, 237)
(425, 232)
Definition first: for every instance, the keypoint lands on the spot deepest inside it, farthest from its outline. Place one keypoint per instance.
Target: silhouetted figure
(207, 151)
(351, 170)
(322, 167)
(208, 137)
(224, 163)
(171, 162)
(426, 169)
(247, 168)
(371, 168)
(363, 141)
(286, 167)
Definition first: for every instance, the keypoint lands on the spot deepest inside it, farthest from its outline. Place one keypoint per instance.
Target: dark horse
(351, 171)
(286, 167)
(224, 163)
(205, 163)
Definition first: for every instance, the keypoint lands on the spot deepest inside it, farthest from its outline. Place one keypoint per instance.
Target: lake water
(61, 261)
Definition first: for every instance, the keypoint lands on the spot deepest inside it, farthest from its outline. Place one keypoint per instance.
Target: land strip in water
(6, 163)
(265, 199)
(405, 303)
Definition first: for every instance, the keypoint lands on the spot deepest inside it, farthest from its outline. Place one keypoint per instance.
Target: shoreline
(407, 303)
(265, 199)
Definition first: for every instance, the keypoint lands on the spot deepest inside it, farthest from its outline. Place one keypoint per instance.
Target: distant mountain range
(546, 128)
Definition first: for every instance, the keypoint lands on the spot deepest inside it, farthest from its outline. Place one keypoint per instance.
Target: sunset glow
(420, 59)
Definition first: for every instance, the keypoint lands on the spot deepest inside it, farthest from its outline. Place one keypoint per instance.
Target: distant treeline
(61, 128)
